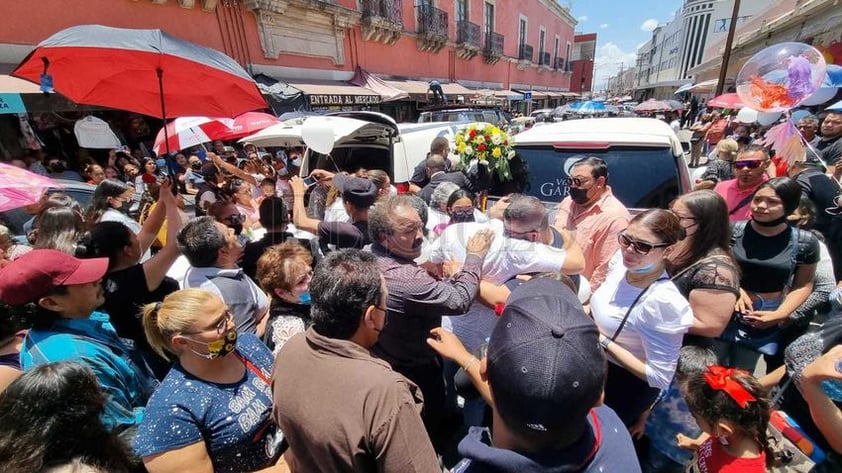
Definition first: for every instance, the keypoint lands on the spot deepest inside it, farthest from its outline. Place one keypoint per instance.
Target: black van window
(639, 177)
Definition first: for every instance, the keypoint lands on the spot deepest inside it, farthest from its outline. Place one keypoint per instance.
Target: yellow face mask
(218, 348)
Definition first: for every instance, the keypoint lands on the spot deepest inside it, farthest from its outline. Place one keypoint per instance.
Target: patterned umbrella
(19, 187)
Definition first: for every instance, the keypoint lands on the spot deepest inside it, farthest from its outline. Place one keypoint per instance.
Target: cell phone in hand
(309, 181)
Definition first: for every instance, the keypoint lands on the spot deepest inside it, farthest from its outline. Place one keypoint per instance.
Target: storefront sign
(344, 99)
(11, 103)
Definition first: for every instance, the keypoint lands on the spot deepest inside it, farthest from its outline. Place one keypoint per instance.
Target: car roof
(613, 131)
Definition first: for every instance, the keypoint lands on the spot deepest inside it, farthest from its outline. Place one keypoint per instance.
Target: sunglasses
(578, 181)
(748, 164)
(639, 247)
(219, 326)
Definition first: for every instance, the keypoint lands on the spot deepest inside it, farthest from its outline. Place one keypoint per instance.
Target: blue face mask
(296, 161)
(304, 298)
(644, 269)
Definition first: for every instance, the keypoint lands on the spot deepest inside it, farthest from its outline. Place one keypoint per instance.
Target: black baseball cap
(545, 366)
(359, 191)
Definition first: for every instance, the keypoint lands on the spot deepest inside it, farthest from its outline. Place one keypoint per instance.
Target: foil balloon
(781, 77)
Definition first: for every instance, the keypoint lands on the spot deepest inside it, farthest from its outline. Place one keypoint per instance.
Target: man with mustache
(417, 301)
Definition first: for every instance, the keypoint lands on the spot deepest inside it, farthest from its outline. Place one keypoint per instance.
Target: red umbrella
(246, 124)
(143, 71)
(726, 101)
(184, 132)
(653, 105)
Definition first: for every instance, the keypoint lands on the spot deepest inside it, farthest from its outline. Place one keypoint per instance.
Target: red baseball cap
(35, 274)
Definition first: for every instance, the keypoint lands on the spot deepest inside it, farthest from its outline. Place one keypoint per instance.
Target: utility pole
(726, 57)
(620, 81)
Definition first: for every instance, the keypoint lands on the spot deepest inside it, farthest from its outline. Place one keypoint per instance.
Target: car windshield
(640, 177)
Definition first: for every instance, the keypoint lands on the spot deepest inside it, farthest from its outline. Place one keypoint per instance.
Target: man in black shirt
(816, 186)
(831, 142)
(358, 194)
(274, 217)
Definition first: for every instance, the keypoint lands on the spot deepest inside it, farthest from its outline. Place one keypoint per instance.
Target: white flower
(511, 155)
(469, 150)
(480, 126)
(496, 138)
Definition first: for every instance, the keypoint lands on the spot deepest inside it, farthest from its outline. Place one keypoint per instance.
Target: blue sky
(621, 27)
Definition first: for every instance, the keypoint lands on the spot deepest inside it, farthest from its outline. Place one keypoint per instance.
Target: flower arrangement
(486, 144)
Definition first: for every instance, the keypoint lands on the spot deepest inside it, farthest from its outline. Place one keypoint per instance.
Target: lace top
(714, 271)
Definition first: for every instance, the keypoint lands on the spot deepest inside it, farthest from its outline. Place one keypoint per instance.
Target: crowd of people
(330, 324)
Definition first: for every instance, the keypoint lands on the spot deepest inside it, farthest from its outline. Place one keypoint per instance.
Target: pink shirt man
(736, 197)
(596, 229)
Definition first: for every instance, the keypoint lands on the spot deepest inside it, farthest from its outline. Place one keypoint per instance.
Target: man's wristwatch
(604, 342)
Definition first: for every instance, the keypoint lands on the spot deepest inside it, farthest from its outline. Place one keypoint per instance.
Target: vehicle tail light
(402, 187)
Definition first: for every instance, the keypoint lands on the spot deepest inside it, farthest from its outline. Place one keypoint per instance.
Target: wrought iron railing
(432, 21)
(468, 33)
(390, 10)
(493, 44)
(525, 52)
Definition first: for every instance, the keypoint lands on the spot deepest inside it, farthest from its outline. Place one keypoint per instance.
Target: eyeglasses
(680, 217)
(578, 181)
(513, 234)
(748, 164)
(639, 247)
(220, 325)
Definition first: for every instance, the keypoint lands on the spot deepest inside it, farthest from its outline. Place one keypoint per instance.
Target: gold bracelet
(470, 363)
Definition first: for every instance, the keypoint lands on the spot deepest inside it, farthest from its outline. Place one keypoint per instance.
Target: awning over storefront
(417, 89)
(388, 93)
(536, 94)
(508, 94)
(329, 93)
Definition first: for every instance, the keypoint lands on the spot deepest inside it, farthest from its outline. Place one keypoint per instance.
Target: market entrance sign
(11, 103)
(344, 99)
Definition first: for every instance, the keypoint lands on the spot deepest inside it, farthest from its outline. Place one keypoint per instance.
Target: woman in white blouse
(641, 315)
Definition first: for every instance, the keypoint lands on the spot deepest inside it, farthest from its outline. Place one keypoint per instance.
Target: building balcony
(544, 63)
(558, 64)
(382, 20)
(524, 56)
(493, 47)
(432, 28)
(468, 39)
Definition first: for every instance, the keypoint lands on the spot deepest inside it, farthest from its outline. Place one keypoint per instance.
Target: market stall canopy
(653, 105)
(143, 71)
(417, 90)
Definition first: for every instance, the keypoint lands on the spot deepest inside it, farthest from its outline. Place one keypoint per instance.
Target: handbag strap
(741, 204)
(628, 311)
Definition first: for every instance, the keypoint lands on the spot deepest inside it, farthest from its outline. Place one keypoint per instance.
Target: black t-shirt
(344, 234)
(831, 150)
(254, 250)
(766, 262)
(817, 187)
(125, 294)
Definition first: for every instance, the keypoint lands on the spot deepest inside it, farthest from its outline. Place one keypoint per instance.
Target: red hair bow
(721, 378)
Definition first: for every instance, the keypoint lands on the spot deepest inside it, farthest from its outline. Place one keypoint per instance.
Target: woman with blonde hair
(722, 168)
(284, 272)
(212, 413)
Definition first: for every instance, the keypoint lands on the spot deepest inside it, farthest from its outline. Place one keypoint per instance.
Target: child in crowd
(729, 406)
(670, 419)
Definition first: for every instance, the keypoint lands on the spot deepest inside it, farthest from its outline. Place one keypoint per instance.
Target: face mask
(644, 269)
(304, 298)
(773, 223)
(219, 348)
(296, 161)
(124, 207)
(196, 165)
(579, 196)
(283, 172)
(462, 216)
(237, 227)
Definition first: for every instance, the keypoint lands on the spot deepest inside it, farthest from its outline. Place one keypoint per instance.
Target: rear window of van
(641, 177)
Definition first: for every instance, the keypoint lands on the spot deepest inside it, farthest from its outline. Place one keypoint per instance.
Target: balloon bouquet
(778, 79)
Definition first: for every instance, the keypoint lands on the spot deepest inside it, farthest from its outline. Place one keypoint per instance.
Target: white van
(373, 140)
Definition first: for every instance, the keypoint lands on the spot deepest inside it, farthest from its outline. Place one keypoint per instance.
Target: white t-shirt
(655, 327)
(506, 258)
(336, 212)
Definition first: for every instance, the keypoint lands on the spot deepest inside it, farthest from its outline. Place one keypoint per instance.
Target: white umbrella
(184, 132)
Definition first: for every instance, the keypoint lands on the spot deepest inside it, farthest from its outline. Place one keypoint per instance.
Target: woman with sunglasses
(212, 413)
(777, 267)
(641, 315)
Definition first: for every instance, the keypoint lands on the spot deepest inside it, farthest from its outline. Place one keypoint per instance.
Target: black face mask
(196, 165)
(460, 216)
(773, 223)
(578, 195)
